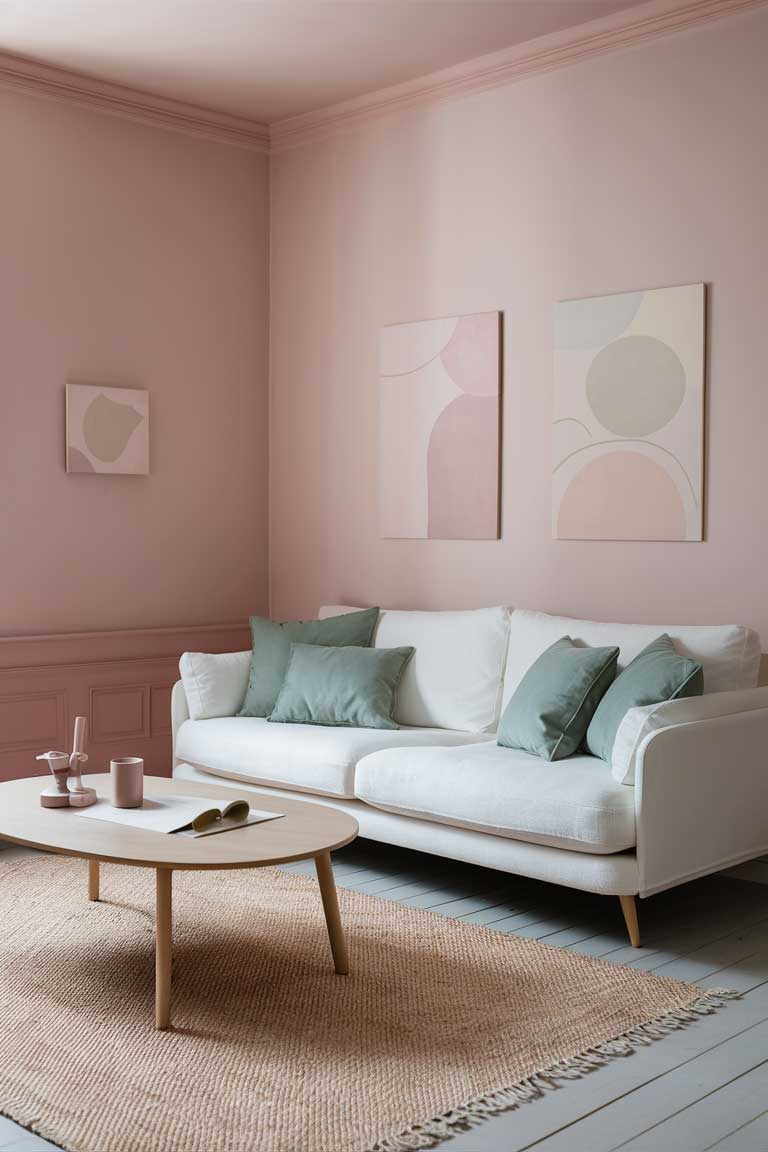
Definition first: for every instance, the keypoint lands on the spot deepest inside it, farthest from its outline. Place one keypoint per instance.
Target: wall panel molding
(121, 681)
(119, 711)
(123, 644)
(36, 717)
(625, 29)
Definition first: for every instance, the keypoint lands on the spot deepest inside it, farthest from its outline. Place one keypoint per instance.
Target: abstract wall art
(629, 416)
(439, 400)
(107, 430)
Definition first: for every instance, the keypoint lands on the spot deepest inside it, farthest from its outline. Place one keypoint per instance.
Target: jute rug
(439, 1024)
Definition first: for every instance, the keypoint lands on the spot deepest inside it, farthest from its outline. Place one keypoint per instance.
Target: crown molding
(623, 29)
(23, 75)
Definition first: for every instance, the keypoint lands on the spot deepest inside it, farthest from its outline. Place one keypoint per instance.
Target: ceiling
(270, 59)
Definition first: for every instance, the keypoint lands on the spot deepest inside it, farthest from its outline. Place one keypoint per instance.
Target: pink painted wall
(638, 169)
(131, 256)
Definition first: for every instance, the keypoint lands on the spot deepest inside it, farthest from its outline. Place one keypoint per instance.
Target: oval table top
(305, 830)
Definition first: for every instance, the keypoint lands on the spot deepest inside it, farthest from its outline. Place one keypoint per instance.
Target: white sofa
(440, 784)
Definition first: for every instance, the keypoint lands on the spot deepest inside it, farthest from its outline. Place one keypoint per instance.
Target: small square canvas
(629, 416)
(107, 430)
(439, 397)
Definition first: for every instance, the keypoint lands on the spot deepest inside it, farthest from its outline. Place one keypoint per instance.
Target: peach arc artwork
(629, 416)
(439, 398)
(107, 430)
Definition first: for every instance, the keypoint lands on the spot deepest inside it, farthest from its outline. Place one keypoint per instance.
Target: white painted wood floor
(701, 1089)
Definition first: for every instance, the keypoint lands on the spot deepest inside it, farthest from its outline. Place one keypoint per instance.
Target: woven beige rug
(439, 1024)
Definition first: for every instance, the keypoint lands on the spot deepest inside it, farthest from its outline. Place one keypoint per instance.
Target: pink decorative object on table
(68, 789)
(56, 795)
(79, 795)
(127, 782)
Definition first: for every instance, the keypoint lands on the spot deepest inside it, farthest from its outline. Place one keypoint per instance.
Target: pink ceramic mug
(127, 774)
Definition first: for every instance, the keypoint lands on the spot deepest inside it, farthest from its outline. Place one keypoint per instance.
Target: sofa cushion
(302, 756)
(454, 679)
(572, 803)
(728, 653)
(214, 682)
(341, 687)
(272, 648)
(657, 674)
(551, 708)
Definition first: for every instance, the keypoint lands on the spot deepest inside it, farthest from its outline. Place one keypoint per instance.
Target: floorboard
(749, 1137)
(701, 1089)
(714, 1115)
(651, 1104)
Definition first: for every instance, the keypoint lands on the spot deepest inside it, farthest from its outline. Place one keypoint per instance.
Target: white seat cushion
(454, 678)
(729, 654)
(573, 803)
(302, 756)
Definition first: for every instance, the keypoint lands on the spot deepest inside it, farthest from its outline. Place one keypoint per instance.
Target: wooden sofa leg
(629, 908)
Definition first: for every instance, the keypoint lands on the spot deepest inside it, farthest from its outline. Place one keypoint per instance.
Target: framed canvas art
(107, 430)
(629, 416)
(439, 400)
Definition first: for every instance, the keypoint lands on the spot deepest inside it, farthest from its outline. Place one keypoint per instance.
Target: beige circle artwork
(635, 385)
(628, 428)
(107, 430)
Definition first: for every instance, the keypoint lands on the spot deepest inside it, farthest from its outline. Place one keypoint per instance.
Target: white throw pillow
(214, 682)
(728, 653)
(454, 678)
(640, 722)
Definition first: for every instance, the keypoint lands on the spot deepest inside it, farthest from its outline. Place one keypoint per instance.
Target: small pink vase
(127, 774)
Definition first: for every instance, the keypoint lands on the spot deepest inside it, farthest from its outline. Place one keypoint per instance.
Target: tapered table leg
(332, 916)
(93, 879)
(163, 948)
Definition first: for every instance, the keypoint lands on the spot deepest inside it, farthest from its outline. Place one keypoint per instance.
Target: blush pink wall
(131, 256)
(637, 169)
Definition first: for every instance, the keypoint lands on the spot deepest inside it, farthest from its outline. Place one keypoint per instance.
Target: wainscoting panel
(120, 681)
(119, 711)
(160, 709)
(31, 716)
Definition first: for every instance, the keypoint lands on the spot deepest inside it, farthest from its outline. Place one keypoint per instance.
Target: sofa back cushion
(728, 653)
(454, 679)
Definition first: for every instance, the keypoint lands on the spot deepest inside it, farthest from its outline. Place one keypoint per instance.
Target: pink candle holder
(56, 795)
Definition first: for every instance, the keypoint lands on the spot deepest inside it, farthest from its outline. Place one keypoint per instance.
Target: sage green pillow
(341, 687)
(655, 675)
(551, 708)
(272, 647)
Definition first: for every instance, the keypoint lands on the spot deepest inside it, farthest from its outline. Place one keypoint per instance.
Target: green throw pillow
(342, 687)
(272, 647)
(655, 675)
(551, 708)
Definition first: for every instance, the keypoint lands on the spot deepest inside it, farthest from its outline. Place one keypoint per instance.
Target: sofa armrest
(179, 712)
(701, 797)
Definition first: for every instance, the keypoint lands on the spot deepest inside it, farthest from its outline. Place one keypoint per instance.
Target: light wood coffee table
(306, 831)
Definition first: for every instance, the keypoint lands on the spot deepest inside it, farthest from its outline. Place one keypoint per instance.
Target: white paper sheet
(162, 813)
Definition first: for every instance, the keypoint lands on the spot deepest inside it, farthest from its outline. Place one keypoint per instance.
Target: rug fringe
(429, 1133)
